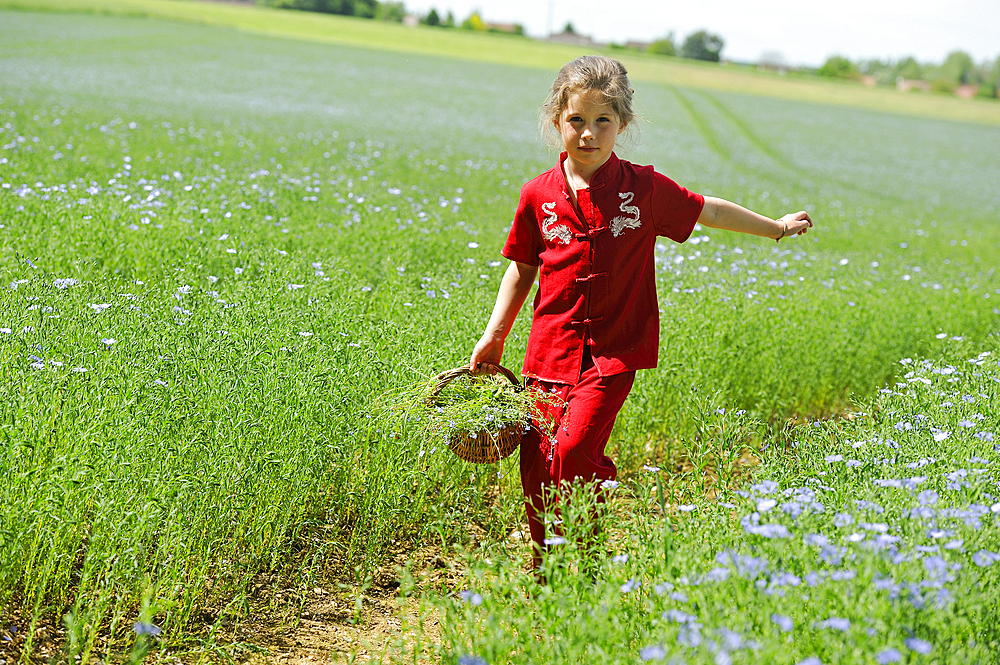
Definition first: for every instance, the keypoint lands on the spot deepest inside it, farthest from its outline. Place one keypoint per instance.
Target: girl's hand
(722, 214)
(488, 349)
(795, 224)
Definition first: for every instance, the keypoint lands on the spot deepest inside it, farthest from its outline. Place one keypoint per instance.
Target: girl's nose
(587, 132)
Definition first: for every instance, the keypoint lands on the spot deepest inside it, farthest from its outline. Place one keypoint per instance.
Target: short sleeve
(675, 209)
(524, 242)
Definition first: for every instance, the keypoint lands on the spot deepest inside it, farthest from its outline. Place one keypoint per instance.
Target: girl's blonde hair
(598, 73)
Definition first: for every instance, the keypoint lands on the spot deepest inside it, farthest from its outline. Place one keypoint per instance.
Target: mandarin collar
(607, 172)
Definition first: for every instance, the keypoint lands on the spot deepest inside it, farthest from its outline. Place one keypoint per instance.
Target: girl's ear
(622, 127)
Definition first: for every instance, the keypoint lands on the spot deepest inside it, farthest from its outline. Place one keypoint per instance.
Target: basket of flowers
(481, 417)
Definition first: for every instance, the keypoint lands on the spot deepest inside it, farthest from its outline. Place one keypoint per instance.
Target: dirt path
(332, 630)
(328, 632)
(351, 625)
(334, 621)
(336, 624)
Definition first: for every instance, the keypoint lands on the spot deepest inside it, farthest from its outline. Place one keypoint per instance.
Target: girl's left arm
(514, 289)
(721, 214)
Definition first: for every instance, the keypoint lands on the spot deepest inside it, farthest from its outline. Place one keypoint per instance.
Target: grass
(507, 50)
(220, 249)
(861, 541)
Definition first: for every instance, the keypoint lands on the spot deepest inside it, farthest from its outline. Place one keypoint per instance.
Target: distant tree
(702, 45)
(870, 65)
(450, 21)
(664, 46)
(362, 8)
(940, 83)
(908, 68)
(959, 69)
(988, 91)
(874, 66)
(432, 18)
(883, 71)
(991, 76)
(837, 66)
(513, 29)
(569, 29)
(474, 22)
(390, 11)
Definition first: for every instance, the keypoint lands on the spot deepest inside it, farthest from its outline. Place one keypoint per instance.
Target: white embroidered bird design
(558, 234)
(619, 224)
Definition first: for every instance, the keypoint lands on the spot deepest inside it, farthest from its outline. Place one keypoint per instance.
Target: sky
(803, 32)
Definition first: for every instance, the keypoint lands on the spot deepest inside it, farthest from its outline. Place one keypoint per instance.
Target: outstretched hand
(795, 224)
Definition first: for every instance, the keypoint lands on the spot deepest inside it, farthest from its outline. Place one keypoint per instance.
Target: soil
(345, 624)
(332, 622)
(340, 622)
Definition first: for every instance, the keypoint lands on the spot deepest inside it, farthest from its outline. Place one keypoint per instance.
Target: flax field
(219, 251)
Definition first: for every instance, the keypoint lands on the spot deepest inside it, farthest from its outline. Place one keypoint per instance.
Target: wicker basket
(480, 447)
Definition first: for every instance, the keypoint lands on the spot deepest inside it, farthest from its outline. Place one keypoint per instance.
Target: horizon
(801, 35)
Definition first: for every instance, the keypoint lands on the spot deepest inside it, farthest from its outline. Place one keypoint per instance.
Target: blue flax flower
(143, 628)
(927, 498)
(471, 660)
(887, 656)
(985, 558)
(784, 623)
(835, 623)
(918, 645)
(652, 652)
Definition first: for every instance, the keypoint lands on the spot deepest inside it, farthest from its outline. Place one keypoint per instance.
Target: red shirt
(596, 272)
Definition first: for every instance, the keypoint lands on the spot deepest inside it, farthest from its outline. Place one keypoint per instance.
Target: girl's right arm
(514, 289)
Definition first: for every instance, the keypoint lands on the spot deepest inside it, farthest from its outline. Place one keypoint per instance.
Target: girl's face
(589, 128)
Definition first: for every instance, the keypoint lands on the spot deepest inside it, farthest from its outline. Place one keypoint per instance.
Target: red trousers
(575, 450)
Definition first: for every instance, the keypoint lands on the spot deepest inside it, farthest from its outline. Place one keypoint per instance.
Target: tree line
(390, 11)
(386, 11)
(699, 45)
(959, 70)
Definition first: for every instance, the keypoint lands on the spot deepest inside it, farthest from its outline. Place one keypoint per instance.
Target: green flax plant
(869, 539)
(206, 286)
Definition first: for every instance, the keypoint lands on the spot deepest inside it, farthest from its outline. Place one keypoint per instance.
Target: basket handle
(444, 378)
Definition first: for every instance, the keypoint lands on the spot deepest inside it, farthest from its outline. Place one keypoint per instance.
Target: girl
(587, 229)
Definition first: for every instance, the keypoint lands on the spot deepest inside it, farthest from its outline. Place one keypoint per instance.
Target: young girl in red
(587, 229)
